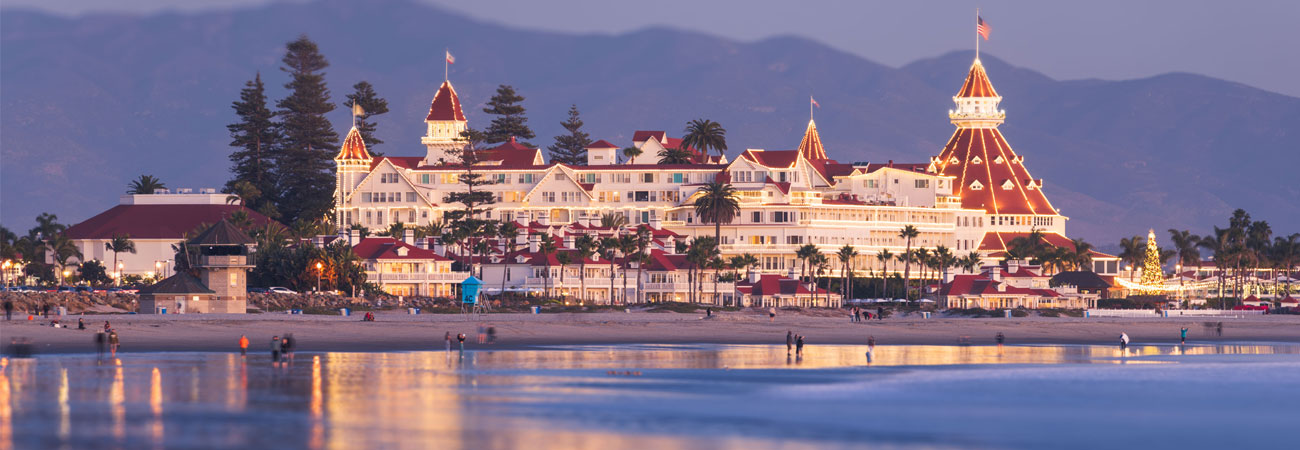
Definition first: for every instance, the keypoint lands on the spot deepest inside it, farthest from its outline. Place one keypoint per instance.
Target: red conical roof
(989, 175)
(354, 148)
(977, 83)
(446, 105)
(811, 145)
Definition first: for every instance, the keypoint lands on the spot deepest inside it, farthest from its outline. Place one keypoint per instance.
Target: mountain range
(91, 102)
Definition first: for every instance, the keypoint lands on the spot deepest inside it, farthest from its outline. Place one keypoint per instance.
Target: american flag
(814, 102)
(452, 59)
(982, 28)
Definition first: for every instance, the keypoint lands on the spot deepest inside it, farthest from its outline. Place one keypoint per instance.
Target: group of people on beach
(859, 314)
(104, 338)
(281, 349)
(793, 342)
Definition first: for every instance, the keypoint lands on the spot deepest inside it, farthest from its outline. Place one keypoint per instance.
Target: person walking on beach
(708, 312)
(1218, 330)
(1182, 338)
(9, 310)
(101, 340)
(289, 345)
(276, 346)
(789, 341)
(461, 339)
(107, 326)
(492, 335)
(112, 342)
(798, 346)
(482, 333)
(1001, 338)
(1123, 341)
(880, 313)
(447, 339)
(243, 345)
(81, 324)
(771, 314)
(871, 348)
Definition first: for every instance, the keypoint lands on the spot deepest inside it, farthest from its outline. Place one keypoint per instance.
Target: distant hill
(88, 103)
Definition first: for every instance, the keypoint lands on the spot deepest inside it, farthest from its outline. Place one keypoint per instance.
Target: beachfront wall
(1013, 301)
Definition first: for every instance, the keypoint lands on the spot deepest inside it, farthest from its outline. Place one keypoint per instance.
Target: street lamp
(66, 273)
(7, 264)
(318, 267)
(119, 273)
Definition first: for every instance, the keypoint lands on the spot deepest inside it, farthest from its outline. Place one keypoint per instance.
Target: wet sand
(394, 331)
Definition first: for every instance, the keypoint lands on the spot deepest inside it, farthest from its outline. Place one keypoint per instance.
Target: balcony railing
(452, 277)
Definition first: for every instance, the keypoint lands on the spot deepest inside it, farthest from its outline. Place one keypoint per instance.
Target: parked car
(281, 290)
(66, 289)
(85, 289)
(256, 290)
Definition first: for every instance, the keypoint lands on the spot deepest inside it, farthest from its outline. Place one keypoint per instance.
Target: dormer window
(998, 160)
(976, 186)
(1007, 185)
(954, 160)
(976, 160)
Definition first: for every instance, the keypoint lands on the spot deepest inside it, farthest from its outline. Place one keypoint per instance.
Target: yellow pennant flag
(357, 111)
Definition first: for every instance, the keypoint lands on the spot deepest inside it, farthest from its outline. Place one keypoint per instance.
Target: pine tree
(510, 120)
(371, 105)
(255, 138)
(571, 148)
(466, 220)
(304, 166)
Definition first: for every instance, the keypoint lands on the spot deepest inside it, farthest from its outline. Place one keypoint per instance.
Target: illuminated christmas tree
(1152, 274)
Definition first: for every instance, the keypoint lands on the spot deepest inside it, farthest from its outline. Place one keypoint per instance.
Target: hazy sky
(1252, 42)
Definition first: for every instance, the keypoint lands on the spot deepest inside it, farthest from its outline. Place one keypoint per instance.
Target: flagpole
(446, 66)
(977, 34)
(810, 107)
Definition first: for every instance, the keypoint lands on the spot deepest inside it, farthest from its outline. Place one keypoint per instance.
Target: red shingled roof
(157, 221)
(602, 144)
(811, 145)
(373, 248)
(777, 159)
(770, 284)
(446, 104)
(977, 83)
(986, 145)
(645, 135)
(354, 148)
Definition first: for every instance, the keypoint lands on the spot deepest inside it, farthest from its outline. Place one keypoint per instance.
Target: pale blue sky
(1252, 42)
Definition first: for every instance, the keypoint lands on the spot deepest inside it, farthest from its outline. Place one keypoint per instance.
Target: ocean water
(663, 396)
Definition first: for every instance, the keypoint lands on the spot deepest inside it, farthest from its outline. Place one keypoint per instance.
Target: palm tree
(565, 259)
(146, 184)
(846, 255)
(642, 258)
(944, 259)
(120, 243)
(705, 135)
(971, 262)
(547, 248)
(627, 245)
(631, 153)
(1287, 250)
(506, 233)
(613, 221)
(1081, 258)
(585, 246)
(819, 262)
(884, 256)
(674, 156)
(1185, 243)
(1219, 245)
(922, 256)
(804, 253)
(1132, 251)
(609, 250)
(717, 203)
(63, 249)
(908, 232)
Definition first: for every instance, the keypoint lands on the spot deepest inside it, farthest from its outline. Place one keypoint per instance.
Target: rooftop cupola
(977, 101)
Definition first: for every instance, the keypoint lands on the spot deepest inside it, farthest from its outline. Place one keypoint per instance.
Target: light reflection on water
(423, 399)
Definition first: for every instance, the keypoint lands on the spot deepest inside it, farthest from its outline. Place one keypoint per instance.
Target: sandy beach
(394, 331)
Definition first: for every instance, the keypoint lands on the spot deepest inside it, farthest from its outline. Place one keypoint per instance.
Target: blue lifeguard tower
(469, 290)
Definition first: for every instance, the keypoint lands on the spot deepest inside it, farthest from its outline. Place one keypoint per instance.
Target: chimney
(521, 238)
(655, 221)
(584, 219)
(568, 240)
(753, 276)
(422, 243)
(891, 163)
(354, 237)
(1013, 266)
(544, 218)
(534, 243)
(792, 273)
(408, 236)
